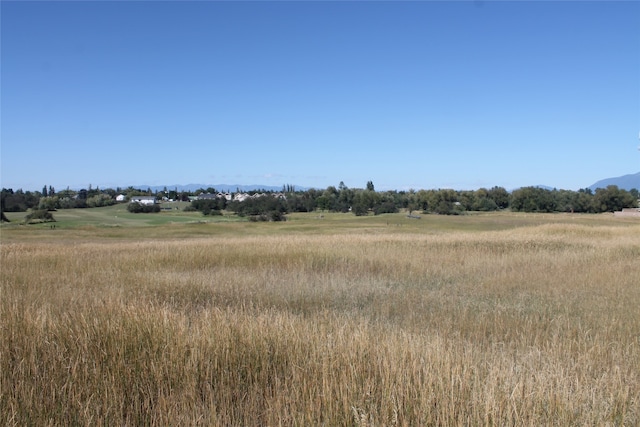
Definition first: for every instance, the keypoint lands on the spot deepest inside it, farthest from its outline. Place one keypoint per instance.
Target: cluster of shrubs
(39, 215)
(268, 216)
(208, 206)
(136, 207)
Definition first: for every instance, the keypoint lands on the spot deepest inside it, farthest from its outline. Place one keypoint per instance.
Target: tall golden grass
(534, 325)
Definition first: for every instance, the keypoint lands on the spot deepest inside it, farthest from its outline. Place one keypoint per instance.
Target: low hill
(625, 182)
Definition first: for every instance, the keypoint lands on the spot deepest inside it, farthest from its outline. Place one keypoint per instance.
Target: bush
(385, 207)
(209, 206)
(277, 216)
(359, 209)
(39, 215)
(140, 208)
(269, 216)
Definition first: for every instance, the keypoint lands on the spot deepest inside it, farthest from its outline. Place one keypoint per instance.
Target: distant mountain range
(625, 182)
(223, 188)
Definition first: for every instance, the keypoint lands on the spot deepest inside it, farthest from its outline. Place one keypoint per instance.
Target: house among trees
(241, 197)
(210, 196)
(143, 200)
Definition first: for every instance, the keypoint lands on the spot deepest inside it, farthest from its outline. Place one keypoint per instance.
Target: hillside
(625, 182)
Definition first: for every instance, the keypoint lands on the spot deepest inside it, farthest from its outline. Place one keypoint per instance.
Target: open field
(117, 216)
(488, 319)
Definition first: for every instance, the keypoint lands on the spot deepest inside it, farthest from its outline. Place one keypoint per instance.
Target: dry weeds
(537, 325)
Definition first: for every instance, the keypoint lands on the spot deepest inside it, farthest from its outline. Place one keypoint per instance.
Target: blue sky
(415, 95)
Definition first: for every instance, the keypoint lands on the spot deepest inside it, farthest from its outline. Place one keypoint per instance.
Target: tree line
(50, 199)
(365, 201)
(359, 201)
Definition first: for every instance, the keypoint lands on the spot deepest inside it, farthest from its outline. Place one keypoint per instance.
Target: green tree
(345, 199)
(263, 206)
(582, 201)
(500, 197)
(100, 200)
(19, 201)
(91, 192)
(613, 199)
(209, 206)
(423, 200)
(385, 207)
(323, 202)
(67, 194)
(173, 194)
(329, 199)
(470, 200)
(359, 209)
(446, 203)
(309, 199)
(533, 199)
(49, 203)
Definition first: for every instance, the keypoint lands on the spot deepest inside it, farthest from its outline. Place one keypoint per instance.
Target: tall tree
(612, 199)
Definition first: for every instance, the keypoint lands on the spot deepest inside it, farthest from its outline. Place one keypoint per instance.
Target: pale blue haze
(416, 95)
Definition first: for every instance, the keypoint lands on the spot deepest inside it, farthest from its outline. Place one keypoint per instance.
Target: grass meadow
(489, 319)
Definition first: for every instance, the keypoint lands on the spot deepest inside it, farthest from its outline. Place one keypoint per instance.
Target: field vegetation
(487, 319)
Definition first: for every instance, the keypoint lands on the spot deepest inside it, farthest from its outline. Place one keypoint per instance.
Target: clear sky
(416, 95)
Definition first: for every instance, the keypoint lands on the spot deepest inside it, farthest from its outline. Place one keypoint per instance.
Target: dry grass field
(498, 319)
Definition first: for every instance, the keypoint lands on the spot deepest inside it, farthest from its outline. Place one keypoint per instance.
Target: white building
(143, 200)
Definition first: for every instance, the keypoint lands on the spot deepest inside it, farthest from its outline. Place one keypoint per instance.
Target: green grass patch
(116, 222)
